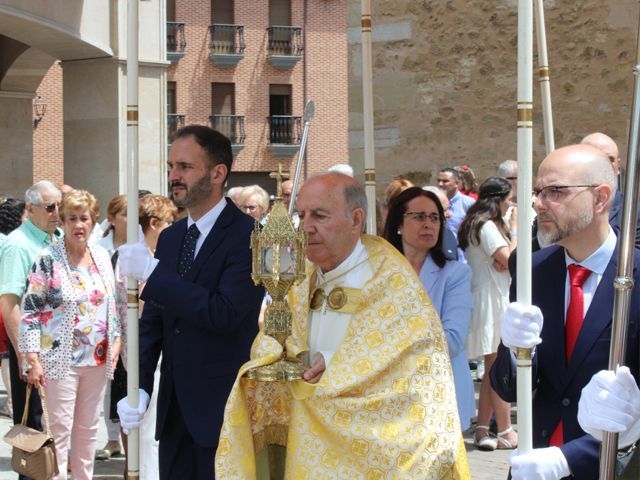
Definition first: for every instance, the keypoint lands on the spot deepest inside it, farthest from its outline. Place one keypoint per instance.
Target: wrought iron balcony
(285, 133)
(176, 41)
(232, 126)
(174, 123)
(226, 44)
(285, 46)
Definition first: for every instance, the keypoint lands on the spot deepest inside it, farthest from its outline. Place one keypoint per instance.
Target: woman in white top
(488, 242)
(114, 236)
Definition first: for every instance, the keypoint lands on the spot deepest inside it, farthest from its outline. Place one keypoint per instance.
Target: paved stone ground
(484, 465)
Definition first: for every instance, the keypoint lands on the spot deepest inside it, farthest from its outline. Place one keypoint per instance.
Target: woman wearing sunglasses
(415, 225)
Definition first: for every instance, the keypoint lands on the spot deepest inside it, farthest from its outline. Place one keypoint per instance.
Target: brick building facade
(246, 68)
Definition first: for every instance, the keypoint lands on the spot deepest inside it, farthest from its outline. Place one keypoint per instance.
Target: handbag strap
(45, 412)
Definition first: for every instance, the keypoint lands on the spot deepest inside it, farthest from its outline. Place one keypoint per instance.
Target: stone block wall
(445, 81)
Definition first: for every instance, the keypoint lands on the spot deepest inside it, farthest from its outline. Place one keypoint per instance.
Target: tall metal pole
(543, 71)
(525, 160)
(133, 453)
(309, 110)
(623, 284)
(367, 101)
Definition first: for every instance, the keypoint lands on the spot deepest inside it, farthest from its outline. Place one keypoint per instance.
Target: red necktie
(575, 316)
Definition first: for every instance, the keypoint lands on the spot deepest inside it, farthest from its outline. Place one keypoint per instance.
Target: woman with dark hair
(414, 226)
(12, 215)
(488, 242)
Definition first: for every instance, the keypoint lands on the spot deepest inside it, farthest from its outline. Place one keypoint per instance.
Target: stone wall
(445, 81)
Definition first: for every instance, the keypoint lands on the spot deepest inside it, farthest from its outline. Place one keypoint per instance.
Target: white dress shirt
(206, 223)
(596, 262)
(327, 327)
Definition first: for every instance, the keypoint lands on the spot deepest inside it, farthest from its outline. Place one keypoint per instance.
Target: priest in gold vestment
(377, 400)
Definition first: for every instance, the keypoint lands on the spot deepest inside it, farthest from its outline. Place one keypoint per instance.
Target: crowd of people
(388, 327)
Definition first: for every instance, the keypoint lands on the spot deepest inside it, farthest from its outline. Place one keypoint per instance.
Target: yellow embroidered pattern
(385, 408)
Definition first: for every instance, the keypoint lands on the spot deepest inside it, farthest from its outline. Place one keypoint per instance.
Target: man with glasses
(572, 290)
(608, 146)
(16, 257)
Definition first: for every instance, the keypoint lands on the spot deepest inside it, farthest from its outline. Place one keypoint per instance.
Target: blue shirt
(458, 205)
(17, 255)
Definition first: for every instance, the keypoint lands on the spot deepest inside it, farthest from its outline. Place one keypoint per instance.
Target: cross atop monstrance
(279, 176)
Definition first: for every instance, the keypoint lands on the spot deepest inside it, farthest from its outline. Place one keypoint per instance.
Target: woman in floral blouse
(70, 333)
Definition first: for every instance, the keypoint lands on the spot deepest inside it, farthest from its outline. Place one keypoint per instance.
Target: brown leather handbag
(34, 452)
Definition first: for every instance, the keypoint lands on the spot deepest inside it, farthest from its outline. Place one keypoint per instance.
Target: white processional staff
(525, 175)
(623, 283)
(543, 71)
(309, 110)
(133, 453)
(367, 102)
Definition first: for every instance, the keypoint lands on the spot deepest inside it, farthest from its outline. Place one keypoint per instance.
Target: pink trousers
(74, 412)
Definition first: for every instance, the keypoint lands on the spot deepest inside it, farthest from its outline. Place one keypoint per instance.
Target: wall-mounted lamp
(39, 109)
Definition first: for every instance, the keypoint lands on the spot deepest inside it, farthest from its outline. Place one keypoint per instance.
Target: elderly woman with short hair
(254, 200)
(70, 333)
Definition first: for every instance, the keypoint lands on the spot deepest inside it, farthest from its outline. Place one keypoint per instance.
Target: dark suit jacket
(204, 323)
(557, 385)
(615, 217)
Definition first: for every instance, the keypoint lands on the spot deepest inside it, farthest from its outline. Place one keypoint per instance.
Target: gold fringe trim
(271, 435)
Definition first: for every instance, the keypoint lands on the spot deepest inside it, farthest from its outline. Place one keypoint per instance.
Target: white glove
(130, 417)
(611, 402)
(539, 464)
(521, 326)
(136, 260)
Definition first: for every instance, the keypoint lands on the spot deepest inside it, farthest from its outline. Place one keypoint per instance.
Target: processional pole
(543, 71)
(133, 453)
(623, 282)
(525, 160)
(367, 102)
(309, 110)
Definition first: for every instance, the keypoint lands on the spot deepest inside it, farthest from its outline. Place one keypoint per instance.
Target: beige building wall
(445, 81)
(81, 140)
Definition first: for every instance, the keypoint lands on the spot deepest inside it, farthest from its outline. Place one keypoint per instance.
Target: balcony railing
(232, 126)
(226, 44)
(174, 123)
(176, 41)
(285, 46)
(285, 133)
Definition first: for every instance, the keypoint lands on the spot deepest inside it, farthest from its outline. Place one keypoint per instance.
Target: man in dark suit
(201, 307)
(572, 290)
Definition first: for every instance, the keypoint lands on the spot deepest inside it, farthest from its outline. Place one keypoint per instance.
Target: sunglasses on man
(50, 207)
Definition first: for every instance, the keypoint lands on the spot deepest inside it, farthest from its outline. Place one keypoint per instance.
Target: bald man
(608, 146)
(570, 322)
(378, 383)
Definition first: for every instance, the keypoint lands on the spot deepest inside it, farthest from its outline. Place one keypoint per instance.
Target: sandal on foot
(485, 442)
(503, 443)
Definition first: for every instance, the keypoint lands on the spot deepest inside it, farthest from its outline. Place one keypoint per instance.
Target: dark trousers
(179, 456)
(19, 395)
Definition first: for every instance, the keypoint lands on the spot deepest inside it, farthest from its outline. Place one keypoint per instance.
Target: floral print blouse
(69, 315)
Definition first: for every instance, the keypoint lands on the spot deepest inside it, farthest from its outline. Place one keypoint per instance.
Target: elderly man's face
(46, 216)
(332, 230)
(562, 212)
